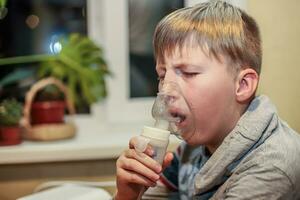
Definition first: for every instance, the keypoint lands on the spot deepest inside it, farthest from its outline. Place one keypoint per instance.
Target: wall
(21, 179)
(280, 30)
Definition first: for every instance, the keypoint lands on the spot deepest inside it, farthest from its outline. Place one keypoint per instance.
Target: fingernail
(158, 168)
(151, 152)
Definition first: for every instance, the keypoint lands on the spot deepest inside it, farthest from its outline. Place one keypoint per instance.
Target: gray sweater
(260, 159)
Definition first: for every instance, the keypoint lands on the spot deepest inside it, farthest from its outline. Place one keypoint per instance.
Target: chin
(193, 143)
(189, 138)
(194, 138)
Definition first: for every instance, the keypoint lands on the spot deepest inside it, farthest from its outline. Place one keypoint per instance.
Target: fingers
(149, 151)
(133, 141)
(144, 159)
(134, 177)
(141, 144)
(136, 167)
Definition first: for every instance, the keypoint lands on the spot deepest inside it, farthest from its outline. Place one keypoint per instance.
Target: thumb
(167, 160)
(139, 143)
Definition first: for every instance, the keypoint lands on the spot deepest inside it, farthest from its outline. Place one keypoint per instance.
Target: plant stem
(27, 59)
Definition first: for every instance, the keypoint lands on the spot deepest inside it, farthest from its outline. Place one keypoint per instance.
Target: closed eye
(186, 73)
(190, 74)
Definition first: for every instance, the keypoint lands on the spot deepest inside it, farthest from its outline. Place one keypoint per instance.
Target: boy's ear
(246, 84)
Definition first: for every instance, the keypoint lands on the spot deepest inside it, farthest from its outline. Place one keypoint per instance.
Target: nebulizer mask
(168, 111)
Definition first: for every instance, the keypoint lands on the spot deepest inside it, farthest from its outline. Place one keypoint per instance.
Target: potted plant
(49, 100)
(10, 115)
(44, 120)
(79, 63)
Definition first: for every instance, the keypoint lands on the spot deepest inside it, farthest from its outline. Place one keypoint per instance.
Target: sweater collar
(256, 124)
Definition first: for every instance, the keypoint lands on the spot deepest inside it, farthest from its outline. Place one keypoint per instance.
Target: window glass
(143, 17)
(33, 27)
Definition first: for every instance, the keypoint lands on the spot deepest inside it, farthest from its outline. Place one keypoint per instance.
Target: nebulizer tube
(157, 136)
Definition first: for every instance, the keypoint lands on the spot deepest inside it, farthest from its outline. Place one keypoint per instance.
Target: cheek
(209, 100)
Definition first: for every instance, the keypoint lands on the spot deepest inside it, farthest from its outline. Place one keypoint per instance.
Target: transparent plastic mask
(170, 108)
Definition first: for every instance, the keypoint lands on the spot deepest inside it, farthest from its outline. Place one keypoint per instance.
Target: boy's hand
(137, 169)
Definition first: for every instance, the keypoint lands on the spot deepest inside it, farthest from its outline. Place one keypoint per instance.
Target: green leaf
(16, 76)
(82, 65)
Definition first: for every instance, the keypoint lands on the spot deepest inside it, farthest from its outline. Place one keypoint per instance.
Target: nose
(170, 90)
(170, 76)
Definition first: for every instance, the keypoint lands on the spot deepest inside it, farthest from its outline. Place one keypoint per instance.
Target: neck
(213, 147)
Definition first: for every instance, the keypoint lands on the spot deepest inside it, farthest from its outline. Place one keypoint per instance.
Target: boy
(235, 145)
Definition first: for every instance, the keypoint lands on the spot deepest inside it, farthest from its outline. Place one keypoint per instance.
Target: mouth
(179, 123)
(179, 118)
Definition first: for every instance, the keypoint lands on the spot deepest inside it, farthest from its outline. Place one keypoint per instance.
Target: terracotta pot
(47, 112)
(10, 135)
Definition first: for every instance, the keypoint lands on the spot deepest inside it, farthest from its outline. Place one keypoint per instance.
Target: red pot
(10, 135)
(47, 112)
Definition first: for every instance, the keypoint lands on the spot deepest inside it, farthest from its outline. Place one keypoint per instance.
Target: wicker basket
(47, 132)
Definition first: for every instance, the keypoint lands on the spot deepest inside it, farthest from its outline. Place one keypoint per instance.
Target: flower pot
(10, 135)
(47, 112)
(44, 121)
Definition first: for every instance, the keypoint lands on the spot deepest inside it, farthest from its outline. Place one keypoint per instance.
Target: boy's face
(209, 90)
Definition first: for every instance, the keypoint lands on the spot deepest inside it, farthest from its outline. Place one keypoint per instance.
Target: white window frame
(107, 26)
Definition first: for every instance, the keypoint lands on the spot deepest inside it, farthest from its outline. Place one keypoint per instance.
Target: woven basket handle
(30, 95)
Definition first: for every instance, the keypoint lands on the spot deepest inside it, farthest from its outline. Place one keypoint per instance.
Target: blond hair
(216, 26)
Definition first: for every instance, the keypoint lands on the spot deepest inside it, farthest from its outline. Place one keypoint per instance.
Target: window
(108, 23)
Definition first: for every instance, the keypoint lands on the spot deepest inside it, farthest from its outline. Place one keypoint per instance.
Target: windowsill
(93, 141)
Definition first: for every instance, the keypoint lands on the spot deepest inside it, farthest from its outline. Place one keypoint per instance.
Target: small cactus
(10, 112)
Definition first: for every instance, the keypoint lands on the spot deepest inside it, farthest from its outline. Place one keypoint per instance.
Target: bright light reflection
(55, 47)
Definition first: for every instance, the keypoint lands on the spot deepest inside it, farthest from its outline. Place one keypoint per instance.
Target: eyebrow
(180, 64)
(186, 65)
